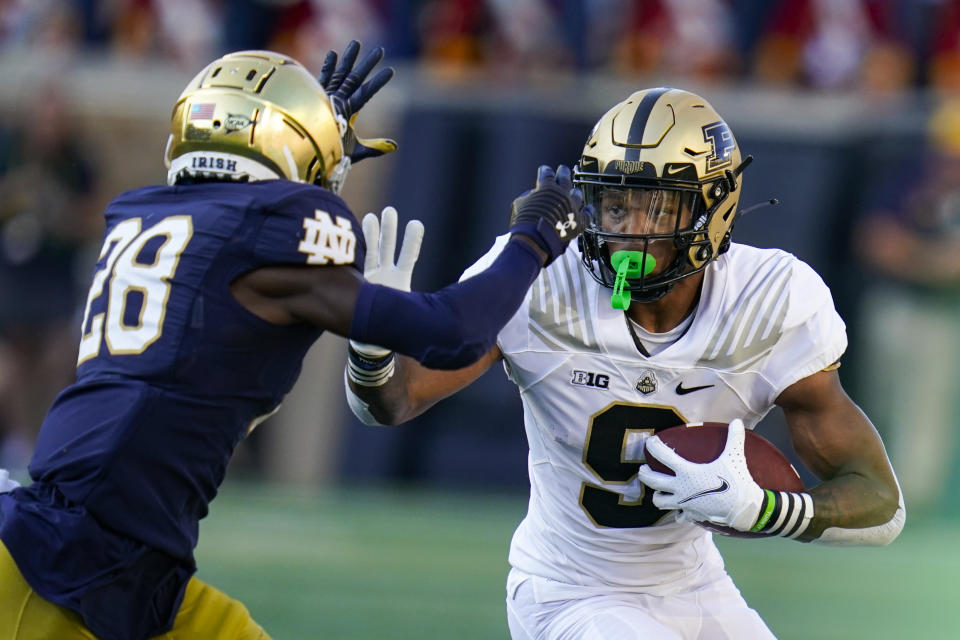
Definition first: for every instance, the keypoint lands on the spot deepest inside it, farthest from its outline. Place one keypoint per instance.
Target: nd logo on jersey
(325, 241)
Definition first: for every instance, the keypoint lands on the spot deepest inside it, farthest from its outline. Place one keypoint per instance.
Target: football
(704, 442)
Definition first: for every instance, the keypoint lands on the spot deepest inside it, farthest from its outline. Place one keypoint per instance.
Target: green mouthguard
(629, 264)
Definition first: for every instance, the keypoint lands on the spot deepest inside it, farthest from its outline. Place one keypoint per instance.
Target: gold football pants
(205, 613)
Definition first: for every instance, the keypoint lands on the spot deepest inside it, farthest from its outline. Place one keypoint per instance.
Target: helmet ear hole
(718, 190)
(724, 244)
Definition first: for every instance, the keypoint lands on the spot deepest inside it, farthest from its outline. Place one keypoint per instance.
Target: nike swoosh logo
(723, 487)
(674, 170)
(682, 390)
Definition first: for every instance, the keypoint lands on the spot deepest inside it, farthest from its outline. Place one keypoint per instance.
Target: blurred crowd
(48, 223)
(906, 238)
(822, 44)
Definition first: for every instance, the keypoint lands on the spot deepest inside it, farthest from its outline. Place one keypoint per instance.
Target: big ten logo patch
(590, 379)
(325, 241)
(721, 141)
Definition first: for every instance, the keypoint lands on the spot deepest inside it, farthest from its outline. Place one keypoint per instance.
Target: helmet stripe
(639, 123)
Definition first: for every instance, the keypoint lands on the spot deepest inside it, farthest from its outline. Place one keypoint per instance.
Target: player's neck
(669, 311)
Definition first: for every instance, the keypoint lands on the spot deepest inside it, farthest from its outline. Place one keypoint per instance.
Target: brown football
(704, 443)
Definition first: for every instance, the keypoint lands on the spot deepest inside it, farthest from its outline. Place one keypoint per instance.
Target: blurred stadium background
(330, 528)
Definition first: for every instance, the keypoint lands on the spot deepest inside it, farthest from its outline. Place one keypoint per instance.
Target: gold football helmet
(662, 171)
(256, 115)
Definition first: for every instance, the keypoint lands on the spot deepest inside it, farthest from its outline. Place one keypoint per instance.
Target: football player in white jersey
(658, 319)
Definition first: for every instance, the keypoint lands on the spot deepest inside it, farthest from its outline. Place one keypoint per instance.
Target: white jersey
(764, 321)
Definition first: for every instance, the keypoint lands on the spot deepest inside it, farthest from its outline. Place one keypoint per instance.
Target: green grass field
(411, 565)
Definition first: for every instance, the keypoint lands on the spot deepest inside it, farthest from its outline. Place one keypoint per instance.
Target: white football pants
(714, 610)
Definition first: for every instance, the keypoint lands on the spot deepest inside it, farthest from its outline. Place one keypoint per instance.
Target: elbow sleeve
(881, 534)
(878, 535)
(455, 326)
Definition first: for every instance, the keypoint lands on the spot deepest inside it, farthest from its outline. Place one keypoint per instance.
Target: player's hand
(722, 492)
(552, 213)
(378, 266)
(381, 238)
(6, 484)
(349, 89)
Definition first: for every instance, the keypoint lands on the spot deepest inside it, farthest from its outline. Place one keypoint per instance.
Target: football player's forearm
(857, 510)
(388, 403)
(411, 389)
(859, 502)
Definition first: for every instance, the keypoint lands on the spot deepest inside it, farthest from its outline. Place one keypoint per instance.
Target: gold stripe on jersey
(754, 323)
(558, 311)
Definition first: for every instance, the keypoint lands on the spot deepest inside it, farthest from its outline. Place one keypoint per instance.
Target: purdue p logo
(721, 141)
(326, 242)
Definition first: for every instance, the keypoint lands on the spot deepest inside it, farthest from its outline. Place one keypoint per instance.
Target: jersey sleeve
(814, 336)
(513, 336)
(486, 259)
(309, 226)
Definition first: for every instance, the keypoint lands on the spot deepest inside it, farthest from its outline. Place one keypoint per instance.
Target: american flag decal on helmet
(203, 111)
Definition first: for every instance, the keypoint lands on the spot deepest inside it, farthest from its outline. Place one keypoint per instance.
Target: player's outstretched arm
(455, 326)
(447, 329)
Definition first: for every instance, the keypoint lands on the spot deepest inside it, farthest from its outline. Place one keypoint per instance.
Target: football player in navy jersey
(207, 294)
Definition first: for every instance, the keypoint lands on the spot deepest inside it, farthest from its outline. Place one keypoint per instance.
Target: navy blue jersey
(172, 373)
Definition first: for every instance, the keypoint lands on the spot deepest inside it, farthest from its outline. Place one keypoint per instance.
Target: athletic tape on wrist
(369, 372)
(368, 351)
(765, 512)
(785, 513)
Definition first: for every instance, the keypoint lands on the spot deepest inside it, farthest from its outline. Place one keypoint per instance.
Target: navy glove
(348, 90)
(552, 214)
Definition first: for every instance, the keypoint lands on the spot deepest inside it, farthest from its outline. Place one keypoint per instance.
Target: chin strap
(339, 175)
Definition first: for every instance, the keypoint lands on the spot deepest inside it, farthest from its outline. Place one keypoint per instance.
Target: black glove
(348, 93)
(552, 214)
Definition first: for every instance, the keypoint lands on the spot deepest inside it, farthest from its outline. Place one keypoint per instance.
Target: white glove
(6, 484)
(722, 492)
(378, 266)
(381, 237)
